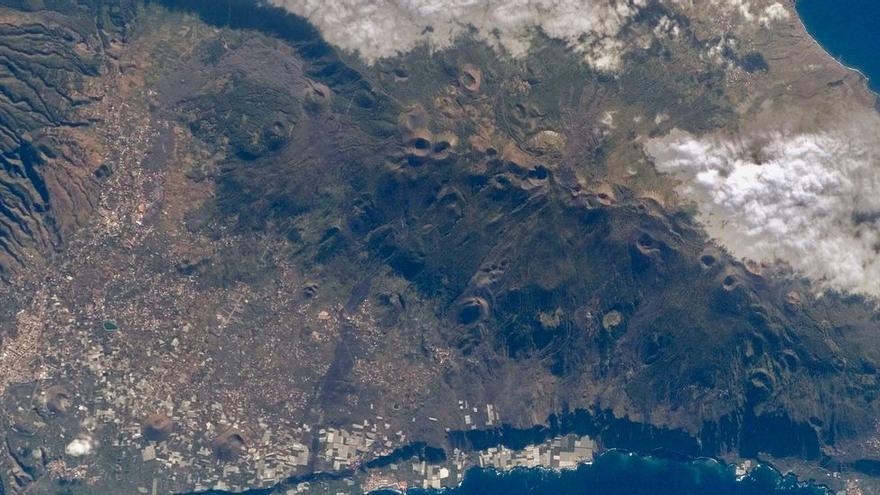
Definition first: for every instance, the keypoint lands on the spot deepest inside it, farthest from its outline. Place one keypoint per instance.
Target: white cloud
(746, 10)
(806, 198)
(384, 28)
(809, 199)
(667, 28)
(744, 7)
(771, 13)
(80, 446)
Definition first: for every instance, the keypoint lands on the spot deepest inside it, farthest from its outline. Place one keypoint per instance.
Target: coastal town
(564, 452)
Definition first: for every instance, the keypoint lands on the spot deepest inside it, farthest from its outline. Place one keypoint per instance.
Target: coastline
(872, 84)
(784, 482)
(869, 82)
(697, 474)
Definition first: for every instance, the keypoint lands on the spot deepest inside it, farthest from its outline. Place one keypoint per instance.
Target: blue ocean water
(620, 473)
(847, 29)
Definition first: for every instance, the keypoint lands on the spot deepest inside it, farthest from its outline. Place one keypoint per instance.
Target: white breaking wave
(809, 199)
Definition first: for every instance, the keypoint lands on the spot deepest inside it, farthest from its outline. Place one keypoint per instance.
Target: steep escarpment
(49, 59)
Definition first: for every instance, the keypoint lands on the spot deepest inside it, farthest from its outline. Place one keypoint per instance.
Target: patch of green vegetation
(214, 50)
(556, 78)
(421, 74)
(754, 62)
(691, 95)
